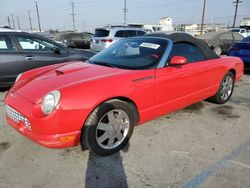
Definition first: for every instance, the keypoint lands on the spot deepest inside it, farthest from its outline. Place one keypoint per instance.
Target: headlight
(18, 77)
(50, 102)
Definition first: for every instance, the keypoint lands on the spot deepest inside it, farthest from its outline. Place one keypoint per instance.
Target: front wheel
(225, 90)
(109, 127)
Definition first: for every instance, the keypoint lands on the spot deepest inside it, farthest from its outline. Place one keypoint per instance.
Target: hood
(37, 86)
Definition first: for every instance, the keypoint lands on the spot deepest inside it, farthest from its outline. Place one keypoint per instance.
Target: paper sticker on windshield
(150, 45)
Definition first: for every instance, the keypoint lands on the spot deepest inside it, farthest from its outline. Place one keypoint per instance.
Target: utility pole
(73, 14)
(13, 21)
(125, 10)
(203, 15)
(31, 29)
(236, 9)
(18, 23)
(38, 17)
(8, 19)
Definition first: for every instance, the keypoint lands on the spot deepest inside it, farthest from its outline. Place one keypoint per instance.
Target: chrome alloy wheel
(226, 88)
(112, 129)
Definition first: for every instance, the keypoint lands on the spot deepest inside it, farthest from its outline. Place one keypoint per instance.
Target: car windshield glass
(235, 30)
(134, 53)
(101, 33)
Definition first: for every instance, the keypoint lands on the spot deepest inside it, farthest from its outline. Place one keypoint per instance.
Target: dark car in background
(21, 51)
(75, 39)
(241, 50)
(221, 41)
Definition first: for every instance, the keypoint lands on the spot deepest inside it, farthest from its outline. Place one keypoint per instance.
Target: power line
(73, 14)
(13, 21)
(31, 29)
(38, 17)
(18, 23)
(125, 10)
(8, 19)
(236, 9)
(203, 15)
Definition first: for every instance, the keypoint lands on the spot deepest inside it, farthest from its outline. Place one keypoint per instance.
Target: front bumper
(60, 129)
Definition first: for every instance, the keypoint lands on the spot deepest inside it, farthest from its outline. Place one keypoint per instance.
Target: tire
(225, 90)
(109, 127)
(218, 50)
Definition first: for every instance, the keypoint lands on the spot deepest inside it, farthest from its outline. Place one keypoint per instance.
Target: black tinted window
(131, 33)
(6, 44)
(101, 33)
(120, 33)
(76, 36)
(190, 51)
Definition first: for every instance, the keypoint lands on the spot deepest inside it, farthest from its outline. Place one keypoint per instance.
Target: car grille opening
(16, 116)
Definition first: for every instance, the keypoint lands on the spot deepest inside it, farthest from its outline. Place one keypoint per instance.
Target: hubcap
(226, 88)
(217, 50)
(112, 129)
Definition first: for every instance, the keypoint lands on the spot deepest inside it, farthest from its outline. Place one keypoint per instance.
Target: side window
(140, 33)
(190, 51)
(226, 36)
(131, 33)
(6, 44)
(76, 36)
(120, 33)
(237, 37)
(34, 44)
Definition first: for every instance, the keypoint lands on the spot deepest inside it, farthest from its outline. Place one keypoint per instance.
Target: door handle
(29, 57)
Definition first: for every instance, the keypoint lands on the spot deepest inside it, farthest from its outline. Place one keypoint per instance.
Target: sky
(55, 14)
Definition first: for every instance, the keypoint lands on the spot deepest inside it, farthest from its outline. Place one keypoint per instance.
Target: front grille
(16, 116)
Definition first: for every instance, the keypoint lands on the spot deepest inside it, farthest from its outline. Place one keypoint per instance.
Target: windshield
(235, 30)
(134, 53)
(101, 33)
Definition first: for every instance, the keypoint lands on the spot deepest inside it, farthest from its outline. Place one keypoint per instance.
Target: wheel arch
(131, 103)
(121, 98)
(233, 71)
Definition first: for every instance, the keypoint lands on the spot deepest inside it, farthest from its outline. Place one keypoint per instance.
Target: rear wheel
(218, 50)
(109, 127)
(225, 90)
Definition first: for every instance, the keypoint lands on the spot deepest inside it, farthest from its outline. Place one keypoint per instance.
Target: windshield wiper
(103, 63)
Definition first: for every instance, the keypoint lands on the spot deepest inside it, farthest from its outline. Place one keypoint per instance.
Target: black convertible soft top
(184, 37)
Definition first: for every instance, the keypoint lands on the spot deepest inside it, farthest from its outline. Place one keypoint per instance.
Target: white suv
(241, 31)
(106, 36)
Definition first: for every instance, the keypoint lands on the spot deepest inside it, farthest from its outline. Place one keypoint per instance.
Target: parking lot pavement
(204, 145)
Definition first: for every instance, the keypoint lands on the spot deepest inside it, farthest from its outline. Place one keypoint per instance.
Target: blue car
(241, 50)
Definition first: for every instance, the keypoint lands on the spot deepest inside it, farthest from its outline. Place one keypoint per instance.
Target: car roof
(178, 37)
(117, 28)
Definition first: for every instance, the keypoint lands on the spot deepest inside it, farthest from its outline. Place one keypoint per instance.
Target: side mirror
(56, 50)
(178, 60)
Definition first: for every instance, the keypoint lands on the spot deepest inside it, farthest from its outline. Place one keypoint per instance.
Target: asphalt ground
(204, 145)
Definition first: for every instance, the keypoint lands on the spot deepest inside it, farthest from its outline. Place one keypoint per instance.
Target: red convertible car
(98, 102)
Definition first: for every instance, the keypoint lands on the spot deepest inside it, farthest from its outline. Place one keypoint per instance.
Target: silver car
(106, 36)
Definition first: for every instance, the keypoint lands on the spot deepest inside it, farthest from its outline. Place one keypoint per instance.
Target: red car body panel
(84, 86)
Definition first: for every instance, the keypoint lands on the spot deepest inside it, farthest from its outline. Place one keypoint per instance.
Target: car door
(11, 60)
(38, 52)
(226, 40)
(179, 86)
